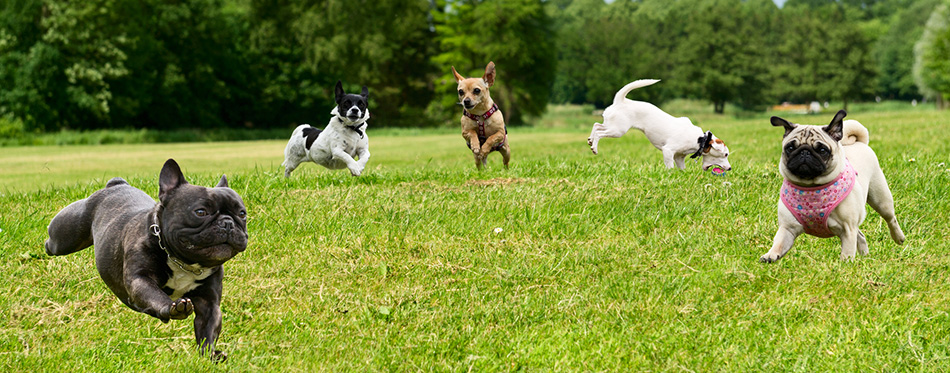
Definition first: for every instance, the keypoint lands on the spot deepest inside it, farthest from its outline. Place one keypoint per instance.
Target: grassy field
(567, 261)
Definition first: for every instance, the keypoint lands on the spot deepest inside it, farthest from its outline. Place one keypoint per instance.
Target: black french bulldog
(161, 259)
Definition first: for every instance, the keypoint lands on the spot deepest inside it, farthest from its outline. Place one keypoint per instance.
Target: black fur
(311, 134)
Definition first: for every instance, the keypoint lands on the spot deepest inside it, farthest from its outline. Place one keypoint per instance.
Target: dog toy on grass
(717, 170)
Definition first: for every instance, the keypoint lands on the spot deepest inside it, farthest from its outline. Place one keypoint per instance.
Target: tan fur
(844, 221)
(481, 103)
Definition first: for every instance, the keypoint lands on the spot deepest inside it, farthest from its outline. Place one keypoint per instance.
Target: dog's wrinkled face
(810, 152)
(201, 225)
(474, 91)
(351, 106)
(716, 153)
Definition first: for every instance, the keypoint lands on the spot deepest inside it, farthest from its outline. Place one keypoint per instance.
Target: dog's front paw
(218, 356)
(181, 309)
(770, 258)
(356, 171)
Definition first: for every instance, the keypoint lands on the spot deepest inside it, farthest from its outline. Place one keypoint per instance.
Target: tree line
(170, 64)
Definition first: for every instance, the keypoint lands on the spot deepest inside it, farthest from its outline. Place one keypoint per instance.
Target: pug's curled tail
(622, 93)
(855, 132)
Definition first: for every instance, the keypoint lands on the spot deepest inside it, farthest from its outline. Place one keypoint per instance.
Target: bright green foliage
(516, 35)
(932, 52)
(895, 54)
(723, 57)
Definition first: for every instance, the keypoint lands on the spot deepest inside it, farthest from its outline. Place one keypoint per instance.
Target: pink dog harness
(811, 206)
(481, 119)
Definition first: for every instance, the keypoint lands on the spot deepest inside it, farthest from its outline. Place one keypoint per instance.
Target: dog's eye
(242, 214)
(461, 92)
(790, 148)
(477, 91)
(360, 105)
(822, 149)
(201, 212)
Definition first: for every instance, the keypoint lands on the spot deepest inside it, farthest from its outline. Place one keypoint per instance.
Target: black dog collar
(703, 142)
(354, 128)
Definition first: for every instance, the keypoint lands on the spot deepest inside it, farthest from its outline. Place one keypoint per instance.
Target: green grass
(603, 263)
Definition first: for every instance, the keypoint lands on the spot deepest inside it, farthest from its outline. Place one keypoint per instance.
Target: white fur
(335, 148)
(675, 137)
(183, 281)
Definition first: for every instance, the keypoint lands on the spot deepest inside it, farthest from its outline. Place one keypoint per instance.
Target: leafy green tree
(122, 63)
(722, 56)
(932, 54)
(602, 47)
(895, 55)
(301, 48)
(515, 34)
(822, 56)
(59, 72)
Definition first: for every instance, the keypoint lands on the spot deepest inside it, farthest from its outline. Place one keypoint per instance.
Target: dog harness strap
(811, 206)
(481, 119)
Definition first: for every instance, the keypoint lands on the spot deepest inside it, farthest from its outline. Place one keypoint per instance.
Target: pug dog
(163, 259)
(830, 172)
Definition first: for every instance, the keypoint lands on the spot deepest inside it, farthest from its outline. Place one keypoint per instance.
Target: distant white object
(814, 108)
(826, 104)
(877, 99)
(913, 102)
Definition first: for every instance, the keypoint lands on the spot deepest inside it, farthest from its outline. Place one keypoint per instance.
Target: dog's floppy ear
(489, 76)
(338, 90)
(170, 178)
(458, 77)
(223, 183)
(365, 92)
(705, 143)
(836, 128)
(779, 122)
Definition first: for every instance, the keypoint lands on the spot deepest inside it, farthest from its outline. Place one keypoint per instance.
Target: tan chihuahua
(482, 123)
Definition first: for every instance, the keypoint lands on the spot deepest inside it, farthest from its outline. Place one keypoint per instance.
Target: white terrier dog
(675, 137)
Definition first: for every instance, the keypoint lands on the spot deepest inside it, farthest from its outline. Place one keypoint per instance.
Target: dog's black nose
(227, 224)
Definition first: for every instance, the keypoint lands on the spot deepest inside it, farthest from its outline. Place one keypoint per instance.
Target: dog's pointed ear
(836, 128)
(489, 76)
(365, 92)
(170, 178)
(779, 122)
(338, 90)
(223, 183)
(458, 77)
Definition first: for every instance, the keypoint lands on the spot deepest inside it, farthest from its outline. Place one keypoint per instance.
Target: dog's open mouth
(353, 117)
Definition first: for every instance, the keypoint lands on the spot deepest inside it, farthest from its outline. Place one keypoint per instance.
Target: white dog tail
(854, 132)
(622, 93)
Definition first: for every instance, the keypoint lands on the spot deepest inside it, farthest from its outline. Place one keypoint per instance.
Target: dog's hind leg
(289, 166)
(862, 243)
(505, 154)
(71, 229)
(882, 201)
(599, 131)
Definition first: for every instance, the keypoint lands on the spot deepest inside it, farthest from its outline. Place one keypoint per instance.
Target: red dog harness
(812, 206)
(481, 119)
